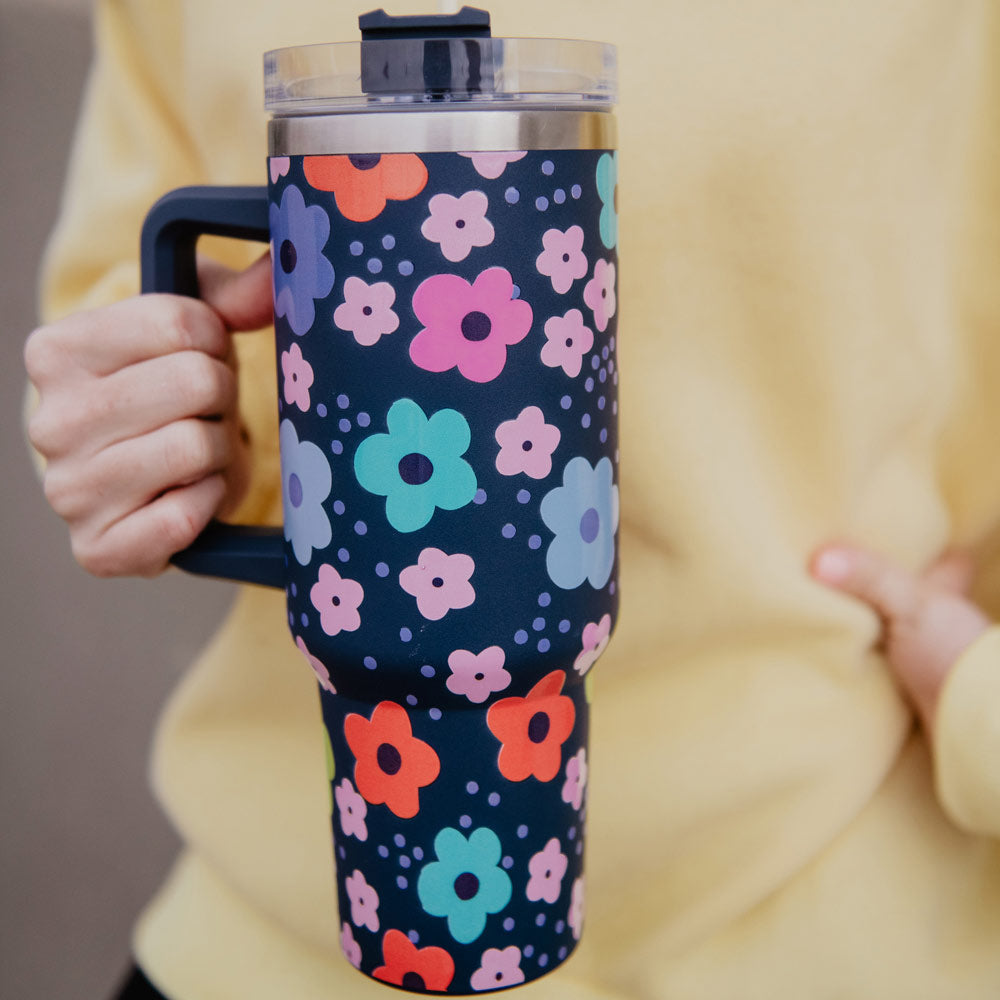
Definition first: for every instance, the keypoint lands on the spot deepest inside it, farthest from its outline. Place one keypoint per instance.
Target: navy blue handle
(249, 554)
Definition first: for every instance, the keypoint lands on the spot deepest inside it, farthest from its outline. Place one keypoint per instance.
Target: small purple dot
(427, 670)
(291, 619)
(540, 922)
(512, 195)
(544, 645)
(566, 402)
(343, 401)
(360, 528)
(411, 700)
(435, 714)
(508, 924)
(558, 196)
(515, 291)
(399, 840)
(585, 420)
(418, 853)
(576, 190)
(507, 862)
(357, 248)
(611, 587)
(595, 362)
(520, 637)
(543, 960)
(369, 662)
(465, 822)
(382, 570)
(541, 203)
(522, 831)
(374, 265)
(388, 241)
(571, 833)
(494, 799)
(321, 409)
(401, 881)
(405, 268)
(564, 626)
(523, 496)
(538, 624)
(480, 497)
(343, 555)
(363, 419)
(601, 401)
(535, 542)
(579, 847)
(605, 352)
(472, 787)
(589, 385)
(614, 404)
(342, 853)
(563, 952)
(604, 435)
(544, 599)
(508, 530)
(383, 850)
(294, 589)
(602, 376)
(405, 634)
(548, 167)
(337, 447)
(560, 926)
(344, 424)
(528, 950)
(304, 618)
(413, 936)
(404, 861)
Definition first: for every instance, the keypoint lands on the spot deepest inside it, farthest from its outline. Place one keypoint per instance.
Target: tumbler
(442, 218)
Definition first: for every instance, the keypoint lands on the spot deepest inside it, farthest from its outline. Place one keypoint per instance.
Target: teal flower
(418, 465)
(607, 188)
(466, 882)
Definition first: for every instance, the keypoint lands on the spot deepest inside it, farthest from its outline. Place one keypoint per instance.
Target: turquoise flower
(583, 514)
(607, 188)
(465, 883)
(418, 465)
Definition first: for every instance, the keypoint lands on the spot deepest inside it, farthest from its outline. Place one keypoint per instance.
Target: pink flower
(576, 908)
(596, 636)
(458, 224)
(298, 377)
(599, 293)
(567, 341)
(337, 600)
(526, 444)
(500, 967)
(350, 947)
(576, 778)
(439, 582)
(322, 674)
(470, 326)
(279, 166)
(366, 311)
(562, 260)
(492, 165)
(353, 809)
(477, 675)
(547, 868)
(364, 901)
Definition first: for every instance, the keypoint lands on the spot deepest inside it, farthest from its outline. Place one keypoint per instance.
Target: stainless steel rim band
(441, 131)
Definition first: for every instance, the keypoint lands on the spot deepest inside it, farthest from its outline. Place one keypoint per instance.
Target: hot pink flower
(596, 636)
(353, 809)
(526, 444)
(298, 377)
(470, 326)
(364, 901)
(366, 311)
(547, 868)
(350, 947)
(439, 582)
(492, 165)
(477, 675)
(500, 967)
(322, 674)
(576, 778)
(567, 341)
(562, 260)
(576, 909)
(458, 224)
(599, 293)
(337, 600)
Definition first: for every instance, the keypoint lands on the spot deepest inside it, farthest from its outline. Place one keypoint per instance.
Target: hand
(137, 418)
(928, 621)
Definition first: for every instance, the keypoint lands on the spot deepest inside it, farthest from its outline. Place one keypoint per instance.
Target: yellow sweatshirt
(810, 348)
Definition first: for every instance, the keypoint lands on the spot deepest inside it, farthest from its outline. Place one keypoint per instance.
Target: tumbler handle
(246, 553)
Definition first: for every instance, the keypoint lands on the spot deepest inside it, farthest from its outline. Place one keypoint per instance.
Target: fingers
(242, 299)
(953, 572)
(891, 591)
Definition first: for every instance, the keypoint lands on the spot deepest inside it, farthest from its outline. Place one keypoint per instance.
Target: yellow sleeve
(967, 738)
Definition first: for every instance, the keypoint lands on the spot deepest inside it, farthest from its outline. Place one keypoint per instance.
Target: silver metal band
(441, 132)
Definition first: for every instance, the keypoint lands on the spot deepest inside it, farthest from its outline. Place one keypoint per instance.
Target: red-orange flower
(362, 183)
(533, 729)
(414, 968)
(392, 764)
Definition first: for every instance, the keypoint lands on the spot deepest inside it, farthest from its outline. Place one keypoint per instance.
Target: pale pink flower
(366, 310)
(337, 600)
(563, 259)
(499, 967)
(599, 293)
(567, 340)
(458, 224)
(439, 582)
(322, 674)
(576, 779)
(350, 947)
(353, 809)
(492, 165)
(526, 444)
(364, 901)
(596, 636)
(547, 868)
(477, 675)
(298, 377)
(279, 166)
(576, 909)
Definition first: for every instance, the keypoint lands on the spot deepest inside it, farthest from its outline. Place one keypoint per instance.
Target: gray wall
(86, 664)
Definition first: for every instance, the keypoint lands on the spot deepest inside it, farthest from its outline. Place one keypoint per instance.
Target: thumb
(870, 577)
(241, 298)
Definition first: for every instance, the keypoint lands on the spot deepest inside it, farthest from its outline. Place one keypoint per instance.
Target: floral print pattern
(337, 600)
(367, 310)
(319, 667)
(298, 375)
(477, 675)
(305, 483)
(526, 444)
(607, 188)
(363, 184)
(364, 901)
(546, 868)
(500, 967)
(350, 947)
(567, 340)
(439, 582)
(412, 968)
(563, 259)
(458, 224)
(352, 809)
(596, 636)
(492, 165)
(599, 294)
(576, 779)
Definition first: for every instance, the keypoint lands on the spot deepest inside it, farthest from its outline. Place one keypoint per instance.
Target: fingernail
(832, 565)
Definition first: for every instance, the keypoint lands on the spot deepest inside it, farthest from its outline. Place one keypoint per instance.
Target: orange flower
(392, 764)
(533, 729)
(361, 184)
(414, 968)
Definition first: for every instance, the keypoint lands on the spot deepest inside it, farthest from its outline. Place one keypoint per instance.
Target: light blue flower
(607, 188)
(305, 483)
(583, 514)
(301, 273)
(417, 466)
(466, 882)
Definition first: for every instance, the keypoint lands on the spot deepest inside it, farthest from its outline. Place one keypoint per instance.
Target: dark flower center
(388, 758)
(590, 524)
(287, 256)
(367, 310)
(413, 981)
(415, 469)
(538, 727)
(565, 258)
(480, 677)
(335, 601)
(466, 885)
(295, 490)
(569, 341)
(527, 445)
(437, 582)
(364, 161)
(476, 326)
(460, 223)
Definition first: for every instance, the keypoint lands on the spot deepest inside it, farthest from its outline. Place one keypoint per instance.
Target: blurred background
(86, 664)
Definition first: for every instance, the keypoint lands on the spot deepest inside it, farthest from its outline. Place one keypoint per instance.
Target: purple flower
(477, 675)
(306, 481)
(547, 869)
(364, 901)
(576, 779)
(499, 967)
(353, 809)
(350, 947)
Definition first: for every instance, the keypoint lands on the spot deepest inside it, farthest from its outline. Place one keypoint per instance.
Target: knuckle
(211, 383)
(48, 431)
(38, 355)
(186, 451)
(177, 526)
(191, 325)
(94, 557)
